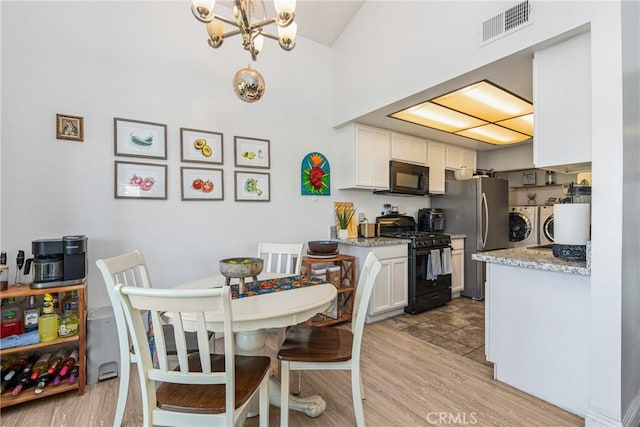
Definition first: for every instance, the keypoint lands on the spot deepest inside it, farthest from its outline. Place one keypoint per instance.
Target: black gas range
(429, 277)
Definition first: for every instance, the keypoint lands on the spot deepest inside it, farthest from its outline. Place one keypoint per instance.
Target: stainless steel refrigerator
(478, 208)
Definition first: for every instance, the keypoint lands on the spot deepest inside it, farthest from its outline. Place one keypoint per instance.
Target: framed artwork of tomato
(315, 175)
(201, 184)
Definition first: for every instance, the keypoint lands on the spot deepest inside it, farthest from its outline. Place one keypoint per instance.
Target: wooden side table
(346, 290)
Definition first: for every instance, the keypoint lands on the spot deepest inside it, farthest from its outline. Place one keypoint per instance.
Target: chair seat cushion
(210, 398)
(314, 344)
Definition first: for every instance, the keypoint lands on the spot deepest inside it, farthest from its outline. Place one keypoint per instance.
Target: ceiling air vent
(506, 22)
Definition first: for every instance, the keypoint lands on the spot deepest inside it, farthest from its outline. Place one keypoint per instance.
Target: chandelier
(248, 83)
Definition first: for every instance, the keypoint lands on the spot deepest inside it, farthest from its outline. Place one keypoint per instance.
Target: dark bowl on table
(323, 246)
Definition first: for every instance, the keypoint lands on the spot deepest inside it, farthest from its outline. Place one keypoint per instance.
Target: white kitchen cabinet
(457, 157)
(436, 163)
(457, 262)
(408, 148)
(363, 157)
(390, 291)
(562, 103)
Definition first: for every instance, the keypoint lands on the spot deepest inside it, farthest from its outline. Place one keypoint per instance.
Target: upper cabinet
(562, 103)
(456, 157)
(363, 157)
(436, 163)
(408, 148)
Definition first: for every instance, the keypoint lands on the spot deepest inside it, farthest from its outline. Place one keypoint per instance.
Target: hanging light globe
(248, 84)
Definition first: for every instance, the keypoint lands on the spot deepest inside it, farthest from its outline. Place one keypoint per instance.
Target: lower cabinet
(457, 261)
(390, 292)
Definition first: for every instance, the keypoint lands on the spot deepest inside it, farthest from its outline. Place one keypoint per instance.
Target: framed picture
(69, 127)
(529, 178)
(140, 139)
(200, 146)
(140, 181)
(251, 152)
(201, 184)
(252, 187)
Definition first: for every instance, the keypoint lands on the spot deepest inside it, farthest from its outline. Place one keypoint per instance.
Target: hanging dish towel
(447, 267)
(434, 265)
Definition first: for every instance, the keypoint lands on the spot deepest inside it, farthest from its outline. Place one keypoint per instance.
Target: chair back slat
(364, 289)
(281, 257)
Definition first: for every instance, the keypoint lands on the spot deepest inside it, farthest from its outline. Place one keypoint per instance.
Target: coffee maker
(58, 262)
(431, 220)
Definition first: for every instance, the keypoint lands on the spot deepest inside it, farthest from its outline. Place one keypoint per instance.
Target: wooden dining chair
(330, 348)
(281, 257)
(204, 389)
(129, 269)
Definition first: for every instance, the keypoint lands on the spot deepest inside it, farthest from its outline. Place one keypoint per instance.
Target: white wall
(519, 156)
(374, 68)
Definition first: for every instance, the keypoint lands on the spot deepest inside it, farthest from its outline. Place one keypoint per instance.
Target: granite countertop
(538, 259)
(374, 241)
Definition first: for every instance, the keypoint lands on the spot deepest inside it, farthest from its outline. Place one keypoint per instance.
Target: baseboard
(630, 419)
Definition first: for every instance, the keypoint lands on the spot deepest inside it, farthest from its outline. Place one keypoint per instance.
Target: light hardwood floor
(407, 382)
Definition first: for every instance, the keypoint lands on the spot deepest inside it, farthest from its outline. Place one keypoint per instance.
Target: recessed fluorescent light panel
(481, 111)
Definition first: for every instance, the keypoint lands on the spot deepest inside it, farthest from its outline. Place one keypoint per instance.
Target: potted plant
(344, 219)
(532, 198)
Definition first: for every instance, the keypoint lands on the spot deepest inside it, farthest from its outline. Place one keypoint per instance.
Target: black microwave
(407, 178)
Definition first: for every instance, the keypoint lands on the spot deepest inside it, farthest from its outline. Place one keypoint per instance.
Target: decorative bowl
(241, 267)
(323, 246)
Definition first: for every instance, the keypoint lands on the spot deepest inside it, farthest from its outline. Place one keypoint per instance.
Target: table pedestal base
(253, 343)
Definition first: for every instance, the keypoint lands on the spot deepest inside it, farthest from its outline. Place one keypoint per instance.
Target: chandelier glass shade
(252, 32)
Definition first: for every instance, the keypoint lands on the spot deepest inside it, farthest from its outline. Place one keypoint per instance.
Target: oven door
(426, 292)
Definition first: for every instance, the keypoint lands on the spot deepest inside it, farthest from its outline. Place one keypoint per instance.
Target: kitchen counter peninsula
(537, 324)
(538, 259)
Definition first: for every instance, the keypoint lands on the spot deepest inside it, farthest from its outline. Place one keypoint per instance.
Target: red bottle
(56, 361)
(69, 363)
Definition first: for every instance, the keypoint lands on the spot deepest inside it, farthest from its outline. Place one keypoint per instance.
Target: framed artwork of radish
(140, 181)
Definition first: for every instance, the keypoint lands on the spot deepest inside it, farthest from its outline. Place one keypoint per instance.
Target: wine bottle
(14, 376)
(68, 364)
(42, 382)
(56, 361)
(73, 376)
(17, 366)
(24, 378)
(41, 364)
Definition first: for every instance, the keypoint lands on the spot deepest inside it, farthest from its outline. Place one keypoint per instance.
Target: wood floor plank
(407, 382)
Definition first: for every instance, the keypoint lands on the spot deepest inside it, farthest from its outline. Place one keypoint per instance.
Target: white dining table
(254, 314)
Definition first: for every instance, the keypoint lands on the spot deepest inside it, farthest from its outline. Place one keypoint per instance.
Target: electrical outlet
(361, 216)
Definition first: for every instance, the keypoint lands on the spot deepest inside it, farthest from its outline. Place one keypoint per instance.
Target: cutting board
(349, 208)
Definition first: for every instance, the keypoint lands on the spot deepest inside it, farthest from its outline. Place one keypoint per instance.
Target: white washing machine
(523, 225)
(546, 225)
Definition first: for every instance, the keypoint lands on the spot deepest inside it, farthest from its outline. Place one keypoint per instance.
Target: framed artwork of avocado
(201, 146)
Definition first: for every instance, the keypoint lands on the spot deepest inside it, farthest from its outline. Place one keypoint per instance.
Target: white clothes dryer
(546, 225)
(523, 225)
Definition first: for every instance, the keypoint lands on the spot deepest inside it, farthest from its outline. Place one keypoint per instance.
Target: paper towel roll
(571, 223)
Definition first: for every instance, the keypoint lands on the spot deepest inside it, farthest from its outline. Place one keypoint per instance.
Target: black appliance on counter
(431, 220)
(407, 178)
(58, 262)
(424, 293)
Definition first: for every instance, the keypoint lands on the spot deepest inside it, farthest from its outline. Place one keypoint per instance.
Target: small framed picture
(251, 152)
(140, 181)
(140, 139)
(200, 146)
(201, 184)
(252, 187)
(69, 127)
(529, 178)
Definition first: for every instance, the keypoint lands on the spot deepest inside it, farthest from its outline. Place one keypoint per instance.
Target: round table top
(272, 310)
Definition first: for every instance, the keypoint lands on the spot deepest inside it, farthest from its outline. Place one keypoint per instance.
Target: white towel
(447, 267)
(434, 265)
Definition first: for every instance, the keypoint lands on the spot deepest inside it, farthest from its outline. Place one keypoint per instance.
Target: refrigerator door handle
(486, 220)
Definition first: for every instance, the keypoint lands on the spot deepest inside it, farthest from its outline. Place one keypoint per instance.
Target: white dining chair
(204, 389)
(281, 257)
(128, 269)
(330, 348)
